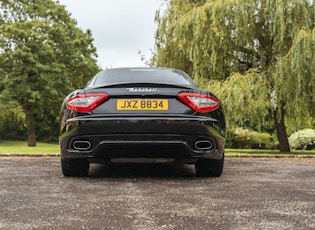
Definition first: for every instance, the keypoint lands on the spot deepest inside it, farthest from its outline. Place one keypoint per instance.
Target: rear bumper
(142, 137)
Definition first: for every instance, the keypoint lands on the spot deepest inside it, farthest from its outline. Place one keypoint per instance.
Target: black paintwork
(141, 134)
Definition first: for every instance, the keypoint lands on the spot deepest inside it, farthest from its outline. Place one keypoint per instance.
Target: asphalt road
(252, 193)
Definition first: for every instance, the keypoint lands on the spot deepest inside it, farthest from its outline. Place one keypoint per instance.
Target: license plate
(142, 104)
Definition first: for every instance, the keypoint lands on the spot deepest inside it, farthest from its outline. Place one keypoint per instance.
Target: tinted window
(142, 75)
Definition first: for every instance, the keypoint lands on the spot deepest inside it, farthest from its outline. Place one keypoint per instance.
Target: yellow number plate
(142, 104)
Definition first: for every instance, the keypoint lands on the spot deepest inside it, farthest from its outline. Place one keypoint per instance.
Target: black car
(142, 115)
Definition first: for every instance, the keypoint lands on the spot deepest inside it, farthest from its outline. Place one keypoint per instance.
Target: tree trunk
(31, 137)
(281, 129)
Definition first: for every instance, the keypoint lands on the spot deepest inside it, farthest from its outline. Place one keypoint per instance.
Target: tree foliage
(258, 54)
(43, 56)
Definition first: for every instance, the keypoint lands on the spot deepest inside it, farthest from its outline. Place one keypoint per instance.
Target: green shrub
(248, 139)
(303, 139)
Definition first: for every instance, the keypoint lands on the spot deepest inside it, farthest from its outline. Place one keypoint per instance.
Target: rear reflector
(85, 103)
(199, 102)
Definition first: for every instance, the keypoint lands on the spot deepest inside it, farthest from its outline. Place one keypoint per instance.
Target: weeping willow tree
(258, 56)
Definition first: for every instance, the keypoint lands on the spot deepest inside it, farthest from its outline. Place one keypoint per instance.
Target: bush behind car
(303, 139)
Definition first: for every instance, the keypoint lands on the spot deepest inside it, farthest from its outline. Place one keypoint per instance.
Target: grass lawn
(21, 148)
(269, 153)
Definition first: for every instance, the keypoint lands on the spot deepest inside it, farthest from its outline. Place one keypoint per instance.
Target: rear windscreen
(141, 75)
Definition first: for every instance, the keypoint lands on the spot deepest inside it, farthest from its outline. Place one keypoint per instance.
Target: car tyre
(75, 168)
(209, 168)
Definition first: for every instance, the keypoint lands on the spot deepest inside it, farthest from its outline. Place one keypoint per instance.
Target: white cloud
(120, 28)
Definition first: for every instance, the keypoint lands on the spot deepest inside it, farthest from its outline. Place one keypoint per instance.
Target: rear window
(141, 75)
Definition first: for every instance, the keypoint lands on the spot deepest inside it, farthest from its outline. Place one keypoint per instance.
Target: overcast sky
(120, 28)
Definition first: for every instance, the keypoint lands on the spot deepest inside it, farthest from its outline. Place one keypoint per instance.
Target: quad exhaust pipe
(81, 145)
(204, 145)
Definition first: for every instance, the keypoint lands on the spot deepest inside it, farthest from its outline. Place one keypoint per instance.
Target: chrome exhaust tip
(81, 145)
(204, 145)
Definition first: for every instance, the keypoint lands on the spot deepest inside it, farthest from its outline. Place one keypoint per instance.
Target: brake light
(85, 103)
(199, 102)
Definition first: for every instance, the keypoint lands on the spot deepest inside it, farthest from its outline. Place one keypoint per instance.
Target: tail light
(85, 103)
(199, 102)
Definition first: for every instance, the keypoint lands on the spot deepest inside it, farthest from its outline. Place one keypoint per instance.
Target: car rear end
(138, 121)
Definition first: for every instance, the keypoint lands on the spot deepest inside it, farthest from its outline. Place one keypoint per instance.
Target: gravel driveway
(252, 193)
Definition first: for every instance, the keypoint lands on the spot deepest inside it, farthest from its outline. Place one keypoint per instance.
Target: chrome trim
(204, 145)
(87, 143)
